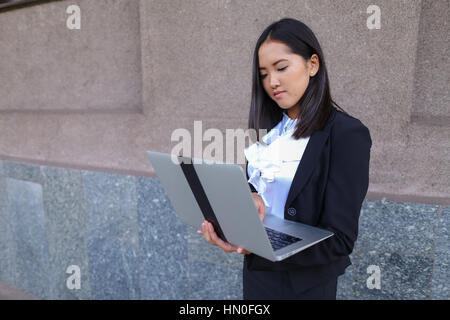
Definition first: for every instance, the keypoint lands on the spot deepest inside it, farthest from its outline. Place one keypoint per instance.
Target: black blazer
(327, 191)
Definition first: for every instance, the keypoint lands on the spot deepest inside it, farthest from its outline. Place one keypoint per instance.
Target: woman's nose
(274, 82)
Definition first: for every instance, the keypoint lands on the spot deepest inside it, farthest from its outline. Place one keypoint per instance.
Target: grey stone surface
(124, 235)
(405, 227)
(113, 269)
(29, 234)
(345, 285)
(441, 270)
(111, 206)
(163, 243)
(211, 281)
(7, 248)
(22, 171)
(66, 229)
(401, 276)
(399, 238)
(164, 286)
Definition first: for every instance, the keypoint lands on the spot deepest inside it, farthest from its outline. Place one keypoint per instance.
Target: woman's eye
(264, 75)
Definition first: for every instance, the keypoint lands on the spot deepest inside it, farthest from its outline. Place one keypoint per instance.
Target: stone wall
(123, 234)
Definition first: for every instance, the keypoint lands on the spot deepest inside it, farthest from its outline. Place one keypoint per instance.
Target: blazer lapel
(309, 160)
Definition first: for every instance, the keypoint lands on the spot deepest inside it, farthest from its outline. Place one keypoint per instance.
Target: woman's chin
(285, 107)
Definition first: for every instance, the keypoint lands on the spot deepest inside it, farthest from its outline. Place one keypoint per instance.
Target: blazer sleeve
(348, 181)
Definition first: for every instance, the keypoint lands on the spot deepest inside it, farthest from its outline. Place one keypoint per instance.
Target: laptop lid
(227, 190)
(172, 178)
(219, 193)
(237, 226)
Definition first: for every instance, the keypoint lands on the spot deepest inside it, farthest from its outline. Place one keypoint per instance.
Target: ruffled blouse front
(272, 165)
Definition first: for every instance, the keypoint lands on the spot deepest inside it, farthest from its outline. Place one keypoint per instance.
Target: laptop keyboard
(279, 240)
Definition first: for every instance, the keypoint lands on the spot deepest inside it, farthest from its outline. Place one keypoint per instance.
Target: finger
(213, 235)
(226, 246)
(263, 211)
(260, 212)
(210, 234)
(206, 232)
(242, 251)
(263, 207)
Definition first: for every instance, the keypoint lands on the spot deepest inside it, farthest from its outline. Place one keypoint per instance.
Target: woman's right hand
(259, 204)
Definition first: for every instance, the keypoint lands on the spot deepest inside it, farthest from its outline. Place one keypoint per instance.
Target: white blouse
(271, 167)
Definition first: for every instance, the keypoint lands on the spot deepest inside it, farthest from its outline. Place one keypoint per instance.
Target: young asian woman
(313, 166)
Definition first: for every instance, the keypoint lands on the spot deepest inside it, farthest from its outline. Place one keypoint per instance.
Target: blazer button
(291, 211)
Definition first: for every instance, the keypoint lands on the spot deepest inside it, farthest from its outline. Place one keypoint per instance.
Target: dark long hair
(316, 102)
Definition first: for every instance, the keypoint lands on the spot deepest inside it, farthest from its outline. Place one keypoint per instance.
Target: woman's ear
(313, 65)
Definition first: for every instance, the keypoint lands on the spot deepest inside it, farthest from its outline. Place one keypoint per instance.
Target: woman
(317, 174)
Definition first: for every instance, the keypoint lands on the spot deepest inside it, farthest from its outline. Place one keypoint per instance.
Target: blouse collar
(288, 123)
(285, 127)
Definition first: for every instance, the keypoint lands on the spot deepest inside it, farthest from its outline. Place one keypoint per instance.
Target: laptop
(202, 190)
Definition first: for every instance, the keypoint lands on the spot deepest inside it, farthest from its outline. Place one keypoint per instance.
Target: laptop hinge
(199, 193)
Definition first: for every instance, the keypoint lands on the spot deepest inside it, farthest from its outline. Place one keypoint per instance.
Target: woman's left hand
(211, 237)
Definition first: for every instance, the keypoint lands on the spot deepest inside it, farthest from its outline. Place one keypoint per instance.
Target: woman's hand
(259, 204)
(211, 237)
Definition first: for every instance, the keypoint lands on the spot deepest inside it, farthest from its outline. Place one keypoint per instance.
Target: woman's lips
(278, 95)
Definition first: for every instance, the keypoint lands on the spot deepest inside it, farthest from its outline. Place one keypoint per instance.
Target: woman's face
(286, 72)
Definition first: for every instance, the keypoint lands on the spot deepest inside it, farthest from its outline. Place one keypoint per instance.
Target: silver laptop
(202, 190)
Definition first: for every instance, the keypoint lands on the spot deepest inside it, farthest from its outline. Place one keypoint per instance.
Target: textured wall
(124, 235)
(98, 97)
(52, 68)
(431, 91)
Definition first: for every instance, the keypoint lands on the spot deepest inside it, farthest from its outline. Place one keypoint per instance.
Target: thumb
(262, 211)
